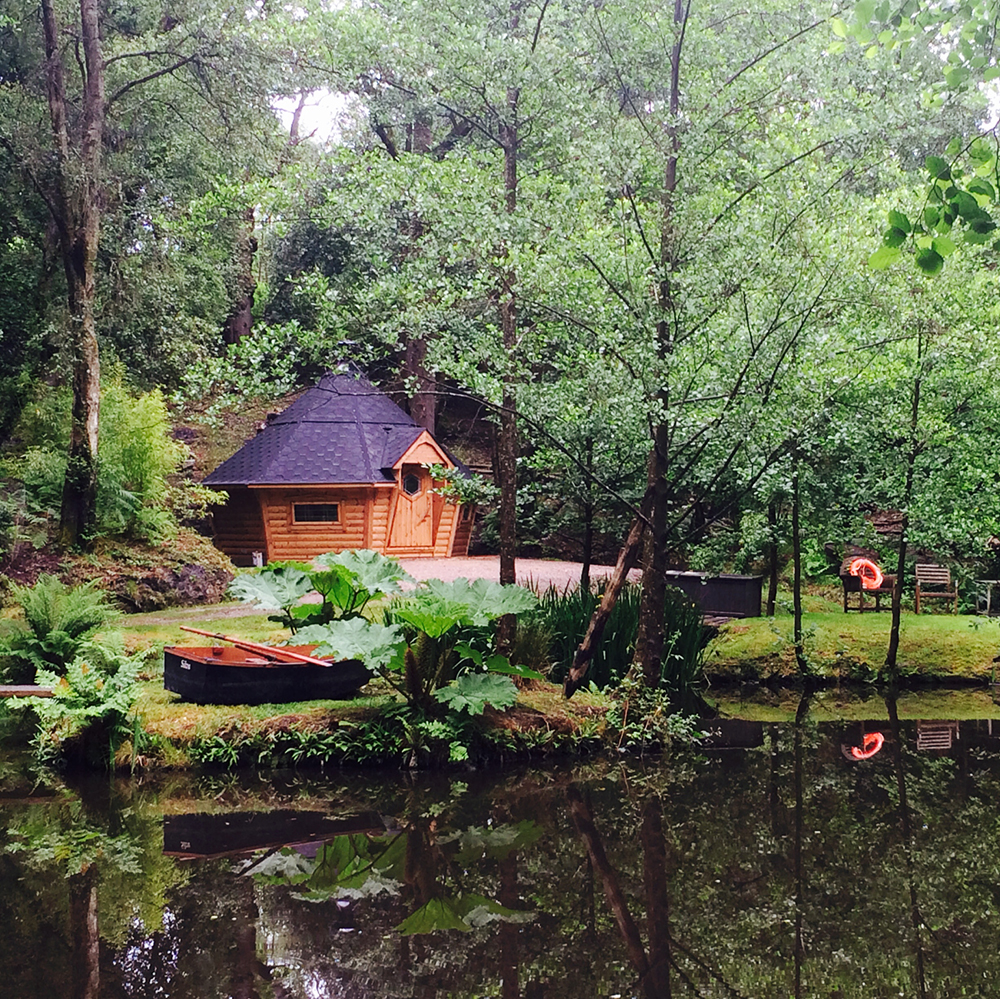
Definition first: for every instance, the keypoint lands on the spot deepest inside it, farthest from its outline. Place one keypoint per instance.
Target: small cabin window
(316, 513)
(466, 511)
(411, 484)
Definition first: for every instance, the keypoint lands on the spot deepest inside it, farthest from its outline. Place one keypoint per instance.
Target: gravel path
(535, 573)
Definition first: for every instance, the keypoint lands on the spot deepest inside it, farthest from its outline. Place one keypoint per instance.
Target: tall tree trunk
(507, 446)
(772, 557)
(649, 641)
(423, 402)
(75, 208)
(510, 957)
(800, 653)
(911, 460)
(654, 876)
(86, 939)
(917, 924)
(588, 546)
(240, 319)
(588, 520)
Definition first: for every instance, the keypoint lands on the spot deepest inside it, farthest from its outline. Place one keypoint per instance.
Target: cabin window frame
(417, 490)
(317, 521)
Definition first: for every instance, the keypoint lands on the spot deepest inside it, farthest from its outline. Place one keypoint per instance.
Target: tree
(98, 73)
(737, 156)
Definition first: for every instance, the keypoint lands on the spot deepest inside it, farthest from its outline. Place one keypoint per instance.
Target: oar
(266, 650)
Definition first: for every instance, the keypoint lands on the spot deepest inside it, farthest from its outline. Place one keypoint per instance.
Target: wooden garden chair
(934, 583)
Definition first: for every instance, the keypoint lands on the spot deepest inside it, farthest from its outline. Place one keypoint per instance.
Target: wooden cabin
(342, 467)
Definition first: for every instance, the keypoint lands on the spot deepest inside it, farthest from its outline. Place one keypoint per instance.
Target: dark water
(779, 866)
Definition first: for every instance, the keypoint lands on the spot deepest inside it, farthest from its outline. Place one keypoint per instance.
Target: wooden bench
(934, 583)
(24, 690)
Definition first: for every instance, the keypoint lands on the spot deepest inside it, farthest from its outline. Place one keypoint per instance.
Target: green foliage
(483, 600)
(355, 638)
(60, 619)
(365, 867)
(471, 692)
(273, 361)
(138, 456)
(462, 488)
(644, 717)
(87, 718)
(441, 619)
(347, 581)
(567, 615)
(957, 203)
(276, 587)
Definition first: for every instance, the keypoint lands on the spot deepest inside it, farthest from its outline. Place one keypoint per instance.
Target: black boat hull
(229, 676)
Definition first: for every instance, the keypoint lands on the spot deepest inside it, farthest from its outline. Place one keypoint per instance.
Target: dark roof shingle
(344, 430)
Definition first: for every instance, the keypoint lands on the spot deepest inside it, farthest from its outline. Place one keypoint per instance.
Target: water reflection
(768, 864)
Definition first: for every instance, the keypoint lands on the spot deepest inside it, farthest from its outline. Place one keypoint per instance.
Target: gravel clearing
(536, 573)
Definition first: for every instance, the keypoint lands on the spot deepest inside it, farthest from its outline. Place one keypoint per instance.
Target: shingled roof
(342, 431)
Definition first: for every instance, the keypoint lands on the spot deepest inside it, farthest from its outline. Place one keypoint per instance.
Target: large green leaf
(967, 206)
(354, 638)
(984, 187)
(484, 599)
(938, 168)
(894, 237)
(373, 571)
(437, 914)
(930, 261)
(430, 614)
(471, 692)
(899, 221)
(338, 586)
(274, 588)
(884, 257)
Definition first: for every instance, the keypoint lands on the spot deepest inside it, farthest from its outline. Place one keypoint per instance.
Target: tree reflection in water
(783, 869)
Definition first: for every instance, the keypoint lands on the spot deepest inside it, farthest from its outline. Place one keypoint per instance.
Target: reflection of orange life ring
(870, 573)
(871, 744)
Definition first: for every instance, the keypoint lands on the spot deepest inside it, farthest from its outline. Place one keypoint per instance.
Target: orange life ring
(871, 744)
(870, 573)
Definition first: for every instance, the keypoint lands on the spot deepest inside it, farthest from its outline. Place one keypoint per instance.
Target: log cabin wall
(465, 517)
(291, 537)
(239, 526)
(264, 520)
(381, 510)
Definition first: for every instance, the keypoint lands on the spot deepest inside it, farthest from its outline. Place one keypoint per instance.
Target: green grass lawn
(935, 647)
(932, 646)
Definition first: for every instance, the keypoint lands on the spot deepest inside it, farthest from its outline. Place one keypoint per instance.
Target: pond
(807, 859)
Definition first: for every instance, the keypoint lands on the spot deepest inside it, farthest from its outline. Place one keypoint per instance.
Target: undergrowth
(398, 736)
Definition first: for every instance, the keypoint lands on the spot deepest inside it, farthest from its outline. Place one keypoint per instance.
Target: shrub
(136, 457)
(88, 716)
(137, 454)
(60, 620)
(567, 615)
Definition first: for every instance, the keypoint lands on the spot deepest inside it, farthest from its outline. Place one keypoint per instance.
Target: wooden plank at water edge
(25, 690)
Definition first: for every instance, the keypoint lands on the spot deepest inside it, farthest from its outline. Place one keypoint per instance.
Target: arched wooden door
(412, 527)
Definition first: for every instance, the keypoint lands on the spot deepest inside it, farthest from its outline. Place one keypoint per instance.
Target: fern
(60, 619)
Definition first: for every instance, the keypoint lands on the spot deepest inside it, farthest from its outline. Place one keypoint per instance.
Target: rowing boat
(219, 674)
